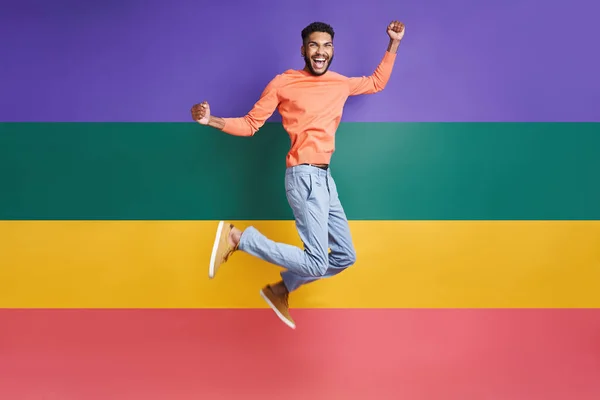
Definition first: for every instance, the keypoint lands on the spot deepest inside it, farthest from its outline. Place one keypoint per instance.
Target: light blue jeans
(322, 225)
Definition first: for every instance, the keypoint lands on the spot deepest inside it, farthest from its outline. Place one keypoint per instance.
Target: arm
(241, 126)
(379, 79)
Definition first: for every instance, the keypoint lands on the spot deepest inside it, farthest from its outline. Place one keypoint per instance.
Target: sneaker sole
(281, 317)
(213, 256)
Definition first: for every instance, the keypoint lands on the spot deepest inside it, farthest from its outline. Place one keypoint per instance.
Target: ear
(302, 53)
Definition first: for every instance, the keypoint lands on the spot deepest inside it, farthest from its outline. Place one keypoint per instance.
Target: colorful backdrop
(471, 184)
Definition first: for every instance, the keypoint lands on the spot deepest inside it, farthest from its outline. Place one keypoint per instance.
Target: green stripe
(384, 171)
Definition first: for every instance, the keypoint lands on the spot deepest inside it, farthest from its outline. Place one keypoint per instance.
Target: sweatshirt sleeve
(249, 124)
(377, 81)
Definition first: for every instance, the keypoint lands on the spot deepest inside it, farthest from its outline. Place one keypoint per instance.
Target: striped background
(470, 183)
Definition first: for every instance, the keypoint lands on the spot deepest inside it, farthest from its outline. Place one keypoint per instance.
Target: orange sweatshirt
(311, 108)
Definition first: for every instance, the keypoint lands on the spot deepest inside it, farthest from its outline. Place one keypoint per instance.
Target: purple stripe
(464, 60)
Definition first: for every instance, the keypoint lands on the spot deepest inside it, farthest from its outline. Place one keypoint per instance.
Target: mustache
(307, 58)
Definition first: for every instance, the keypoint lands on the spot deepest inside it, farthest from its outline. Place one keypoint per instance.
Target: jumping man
(310, 102)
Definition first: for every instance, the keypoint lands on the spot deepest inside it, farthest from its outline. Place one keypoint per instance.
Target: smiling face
(317, 47)
(318, 52)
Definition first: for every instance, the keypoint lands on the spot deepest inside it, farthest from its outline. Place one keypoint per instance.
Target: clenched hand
(201, 113)
(395, 30)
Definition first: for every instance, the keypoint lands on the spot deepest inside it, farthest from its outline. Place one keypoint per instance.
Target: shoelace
(229, 252)
(230, 249)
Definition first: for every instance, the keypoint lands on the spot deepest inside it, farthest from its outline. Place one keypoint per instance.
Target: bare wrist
(393, 45)
(216, 122)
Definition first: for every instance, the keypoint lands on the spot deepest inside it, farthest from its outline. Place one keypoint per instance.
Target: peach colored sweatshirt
(311, 108)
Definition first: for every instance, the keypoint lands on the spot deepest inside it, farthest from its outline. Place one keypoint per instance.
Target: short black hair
(317, 27)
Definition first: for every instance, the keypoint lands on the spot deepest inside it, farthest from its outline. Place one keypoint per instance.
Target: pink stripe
(343, 354)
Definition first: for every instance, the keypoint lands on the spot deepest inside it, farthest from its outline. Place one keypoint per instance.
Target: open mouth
(319, 62)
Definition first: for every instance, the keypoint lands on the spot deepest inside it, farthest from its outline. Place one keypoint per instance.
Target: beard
(308, 63)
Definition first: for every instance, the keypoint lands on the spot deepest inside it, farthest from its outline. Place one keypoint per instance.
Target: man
(310, 102)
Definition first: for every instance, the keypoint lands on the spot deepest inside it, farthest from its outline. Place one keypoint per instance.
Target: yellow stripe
(400, 264)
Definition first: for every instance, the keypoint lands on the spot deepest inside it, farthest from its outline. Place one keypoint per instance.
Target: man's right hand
(201, 113)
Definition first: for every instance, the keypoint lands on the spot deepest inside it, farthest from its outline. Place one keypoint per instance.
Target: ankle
(234, 236)
(279, 289)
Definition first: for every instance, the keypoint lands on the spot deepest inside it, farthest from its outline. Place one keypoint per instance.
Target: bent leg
(306, 191)
(342, 254)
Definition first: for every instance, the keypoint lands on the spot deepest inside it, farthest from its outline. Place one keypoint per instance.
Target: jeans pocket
(299, 187)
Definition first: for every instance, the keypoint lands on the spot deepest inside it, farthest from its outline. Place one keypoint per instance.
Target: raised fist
(395, 30)
(201, 113)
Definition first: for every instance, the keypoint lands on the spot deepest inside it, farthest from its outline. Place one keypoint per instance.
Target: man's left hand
(395, 30)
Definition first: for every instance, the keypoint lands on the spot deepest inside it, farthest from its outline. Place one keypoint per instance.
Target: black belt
(321, 166)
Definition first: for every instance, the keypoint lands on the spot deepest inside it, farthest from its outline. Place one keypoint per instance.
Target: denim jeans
(322, 225)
